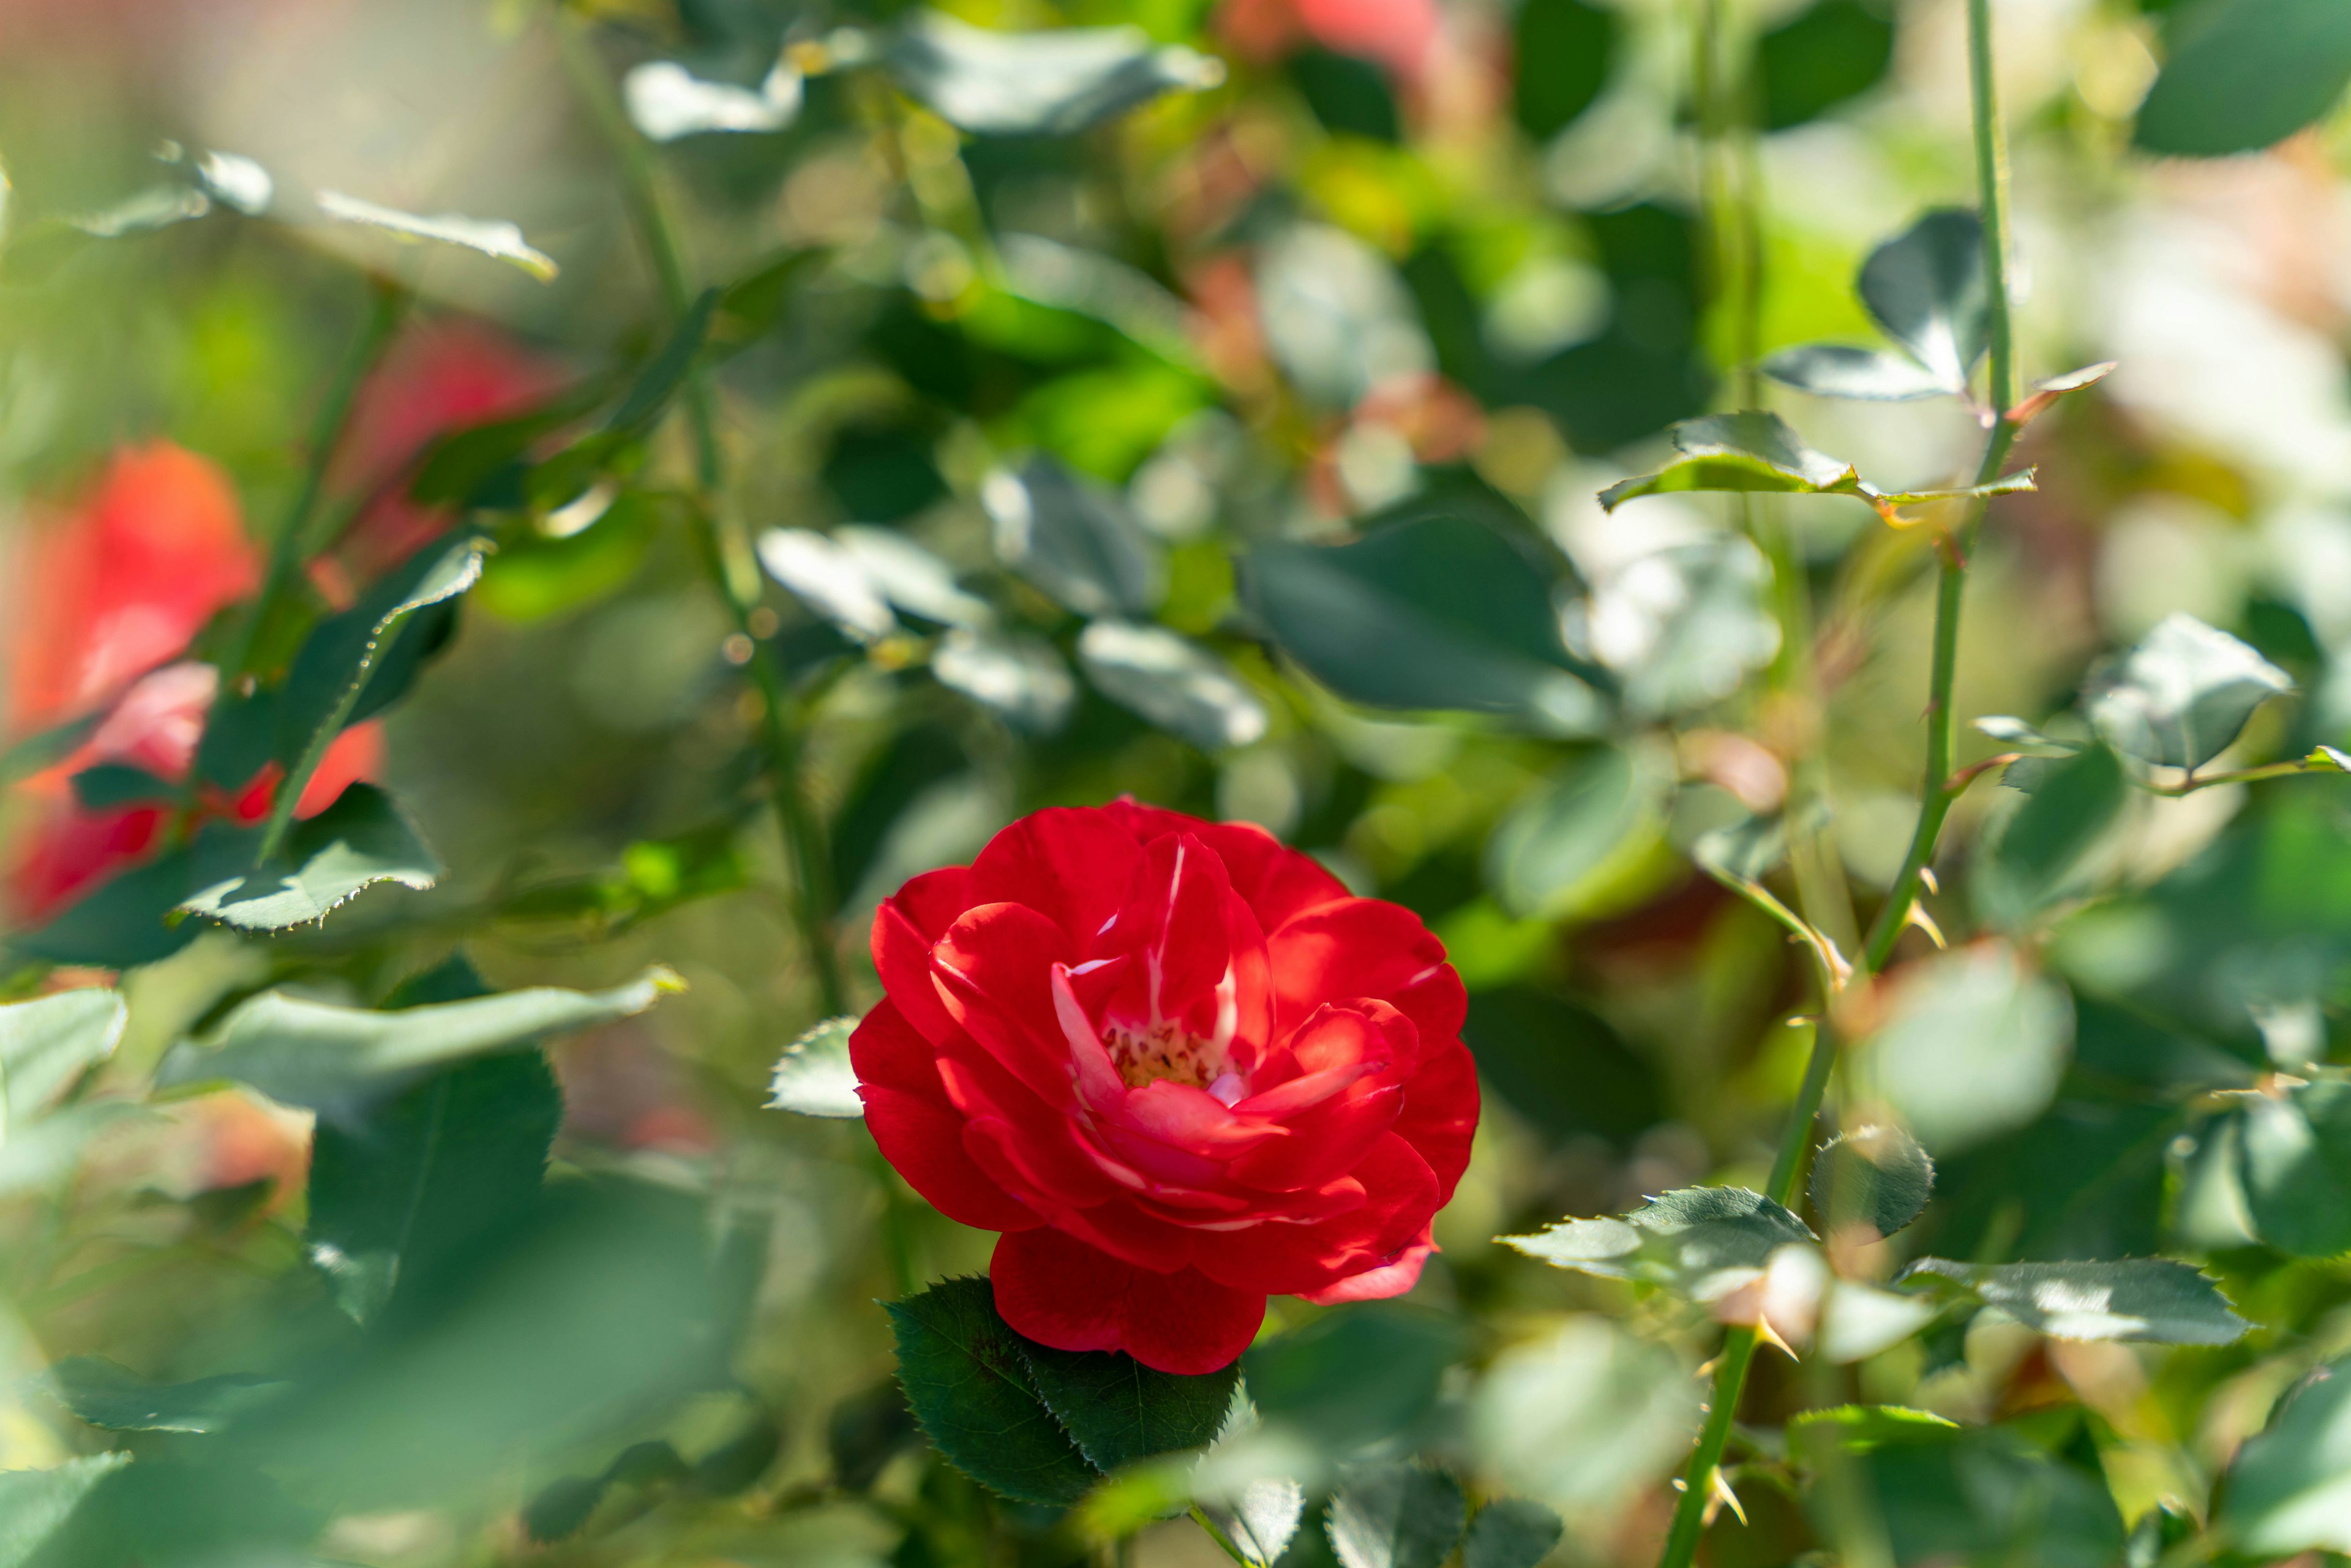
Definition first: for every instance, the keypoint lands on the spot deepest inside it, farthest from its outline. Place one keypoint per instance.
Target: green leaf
(48, 1042)
(966, 1376)
(1432, 612)
(2288, 1488)
(1872, 1176)
(493, 237)
(1697, 1241)
(361, 840)
(1511, 1533)
(44, 749)
(2243, 74)
(482, 462)
(1838, 370)
(1399, 1516)
(1118, 1410)
(1584, 1418)
(127, 920)
(657, 384)
(34, 1505)
(1312, 1380)
(1816, 1435)
(538, 575)
(354, 664)
(1571, 831)
(240, 739)
(338, 1061)
(109, 785)
(2153, 1301)
(1682, 626)
(2180, 696)
(105, 1394)
(1073, 538)
(1749, 451)
(2294, 1162)
(1973, 1045)
(1964, 1494)
(2037, 852)
(1021, 678)
(1925, 288)
(1037, 84)
(814, 1077)
(1172, 681)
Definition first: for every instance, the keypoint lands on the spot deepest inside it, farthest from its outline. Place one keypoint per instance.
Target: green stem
(1200, 1518)
(388, 305)
(1935, 794)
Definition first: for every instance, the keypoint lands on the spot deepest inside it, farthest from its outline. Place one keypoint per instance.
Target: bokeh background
(1405, 253)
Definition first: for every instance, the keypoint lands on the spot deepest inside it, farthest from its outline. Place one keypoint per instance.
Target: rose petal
(1400, 1194)
(1173, 926)
(1276, 882)
(1070, 866)
(1377, 1284)
(1441, 1115)
(923, 1142)
(1364, 947)
(1059, 1291)
(994, 972)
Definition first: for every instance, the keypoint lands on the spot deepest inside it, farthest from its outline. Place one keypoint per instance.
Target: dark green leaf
(1974, 1495)
(2243, 74)
(1697, 1241)
(1399, 1516)
(1562, 53)
(1430, 612)
(1119, 1410)
(1073, 538)
(361, 840)
(865, 1432)
(1925, 288)
(47, 1043)
(1827, 54)
(2289, 1489)
(359, 662)
(1837, 370)
(2180, 696)
(338, 1060)
(2294, 1160)
(665, 372)
(2037, 855)
(1872, 1176)
(967, 1379)
(127, 920)
(1037, 84)
(1312, 1378)
(34, 1505)
(814, 1077)
(1511, 1533)
(2151, 1300)
(1172, 681)
(105, 1394)
(43, 750)
(109, 785)
(1569, 832)
(1750, 451)
(240, 739)
(1562, 1066)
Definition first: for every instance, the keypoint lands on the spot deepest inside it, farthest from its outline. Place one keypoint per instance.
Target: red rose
(1181, 1069)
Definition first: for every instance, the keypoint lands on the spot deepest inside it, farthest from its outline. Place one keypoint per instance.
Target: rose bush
(1178, 1065)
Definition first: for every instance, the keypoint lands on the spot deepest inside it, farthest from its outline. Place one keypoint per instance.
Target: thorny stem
(727, 557)
(1935, 794)
(389, 303)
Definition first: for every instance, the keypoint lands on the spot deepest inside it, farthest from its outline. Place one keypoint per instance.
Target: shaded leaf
(2243, 74)
(1172, 681)
(2288, 1488)
(112, 784)
(1399, 1516)
(1566, 833)
(338, 1059)
(493, 237)
(1585, 1417)
(1511, 1533)
(1872, 1176)
(2182, 695)
(1072, 538)
(44, 749)
(2150, 1299)
(1925, 288)
(657, 382)
(1118, 1410)
(1973, 1494)
(2293, 1162)
(1973, 1045)
(2037, 854)
(361, 840)
(1698, 1241)
(48, 1042)
(1037, 84)
(1432, 612)
(967, 1379)
(34, 1505)
(814, 1077)
(105, 1394)
(127, 920)
(1838, 370)
(1311, 1379)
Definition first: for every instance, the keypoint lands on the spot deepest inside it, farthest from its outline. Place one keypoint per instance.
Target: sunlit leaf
(1973, 1045)
(667, 102)
(910, 577)
(1073, 538)
(1398, 1516)
(1118, 1410)
(1567, 832)
(2182, 695)
(34, 1505)
(1586, 1416)
(1431, 613)
(2243, 74)
(1839, 369)
(2043, 394)
(1172, 681)
(1925, 288)
(2289, 1489)
(969, 1384)
(1511, 1533)
(47, 1043)
(361, 840)
(1037, 84)
(2150, 1299)
(1697, 1241)
(108, 1395)
(814, 1077)
(1858, 1428)
(1872, 1176)
(493, 237)
(338, 1059)
(1020, 677)
(828, 579)
(1681, 627)
(1750, 451)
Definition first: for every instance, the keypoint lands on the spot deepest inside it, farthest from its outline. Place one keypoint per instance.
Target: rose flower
(1179, 1066)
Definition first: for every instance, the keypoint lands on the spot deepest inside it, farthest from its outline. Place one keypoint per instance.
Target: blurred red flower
(108, 596)
(438, 378)
(1179, 1066)
(1401, 35)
